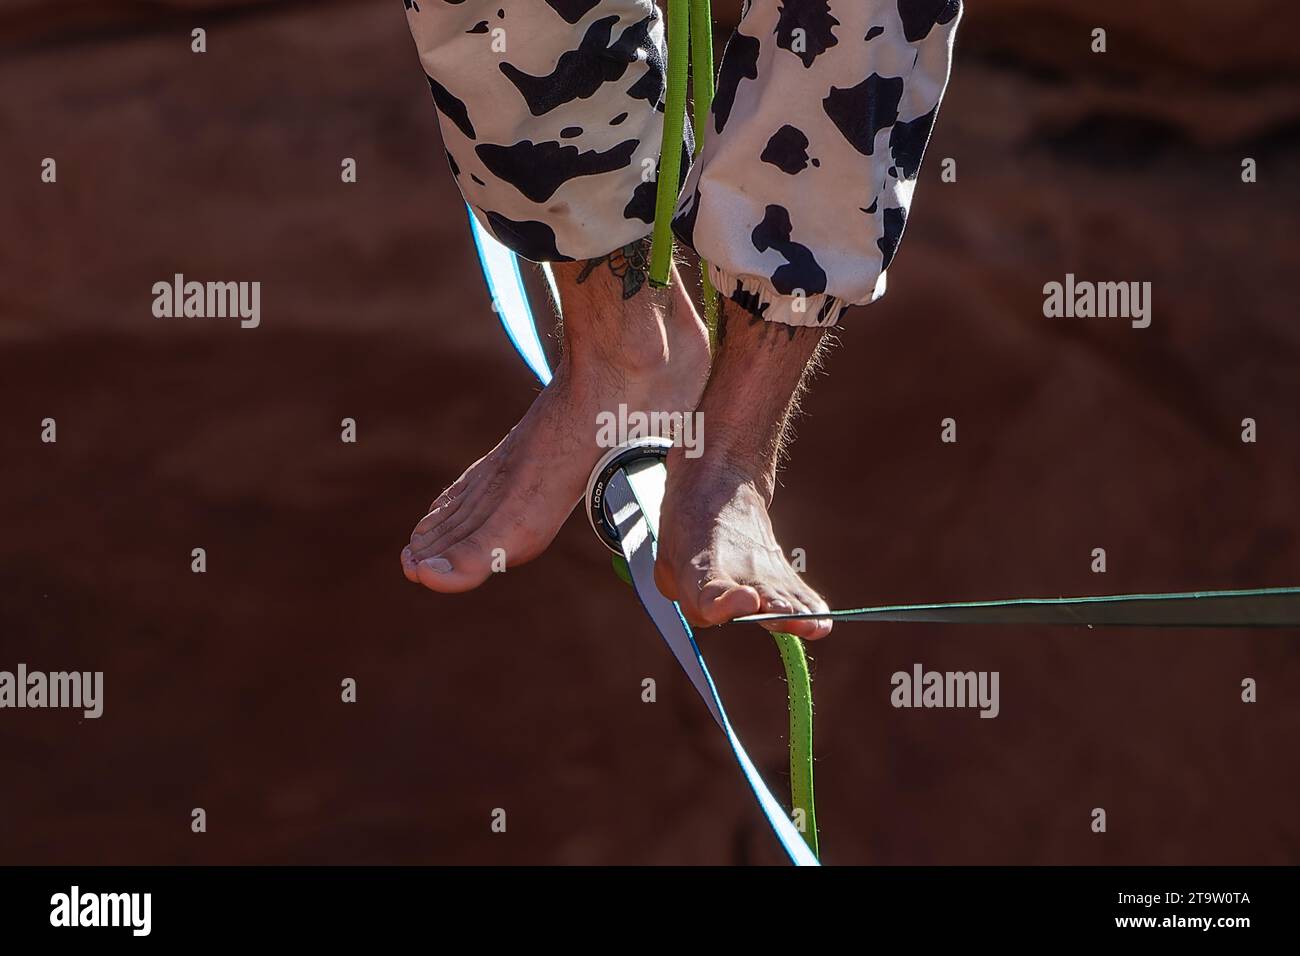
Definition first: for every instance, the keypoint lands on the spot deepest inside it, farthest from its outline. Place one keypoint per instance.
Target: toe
(442, 508)
(428, 528)
(810, 629)
(449, 508)
(451, 532)
(776, 602)
(791, 604)
(820, 626)
(459, 568)
(773, 601)
(408, 567)
(722, 600)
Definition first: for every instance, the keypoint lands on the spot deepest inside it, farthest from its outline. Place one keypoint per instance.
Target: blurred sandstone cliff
(223, 687)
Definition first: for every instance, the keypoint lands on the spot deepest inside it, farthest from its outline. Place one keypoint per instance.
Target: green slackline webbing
(670, 150)
(1253, 607)
(702, 88)
(801, 738)
(701, 68)
(690, 43)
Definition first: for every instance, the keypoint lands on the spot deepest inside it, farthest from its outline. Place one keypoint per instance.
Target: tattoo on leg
(629, 264)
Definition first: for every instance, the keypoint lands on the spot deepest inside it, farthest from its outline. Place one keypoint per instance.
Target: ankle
(633, 350)
(726, 463)
(605, 327)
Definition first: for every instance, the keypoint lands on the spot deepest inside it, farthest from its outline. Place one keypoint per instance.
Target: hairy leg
(718, 555)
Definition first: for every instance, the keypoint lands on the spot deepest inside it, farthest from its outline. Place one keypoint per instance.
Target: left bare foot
(718, 556)
(625, 343)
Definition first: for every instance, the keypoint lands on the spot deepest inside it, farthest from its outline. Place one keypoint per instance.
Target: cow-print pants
(551, 113)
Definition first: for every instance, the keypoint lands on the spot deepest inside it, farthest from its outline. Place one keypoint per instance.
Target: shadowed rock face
(221, 690)
(1205, 38)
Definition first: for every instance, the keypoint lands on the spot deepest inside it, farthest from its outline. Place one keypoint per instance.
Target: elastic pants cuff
(756, 296)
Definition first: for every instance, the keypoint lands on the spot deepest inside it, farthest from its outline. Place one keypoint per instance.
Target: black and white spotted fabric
(551, 112)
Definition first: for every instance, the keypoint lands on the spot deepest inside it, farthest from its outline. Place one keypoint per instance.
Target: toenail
(437, 565)
(777, 605)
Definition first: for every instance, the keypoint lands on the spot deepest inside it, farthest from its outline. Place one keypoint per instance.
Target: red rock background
(222, 690)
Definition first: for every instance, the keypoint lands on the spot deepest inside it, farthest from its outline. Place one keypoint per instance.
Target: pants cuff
(756, 296)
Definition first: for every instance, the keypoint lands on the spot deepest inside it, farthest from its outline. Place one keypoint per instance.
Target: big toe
(409, 567)
(721, 600)
(459, 568)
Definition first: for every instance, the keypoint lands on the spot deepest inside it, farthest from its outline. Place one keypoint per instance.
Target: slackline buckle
(639, 451)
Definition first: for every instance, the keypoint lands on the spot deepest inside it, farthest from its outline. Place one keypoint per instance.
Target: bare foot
(625, 343)
(718, 557)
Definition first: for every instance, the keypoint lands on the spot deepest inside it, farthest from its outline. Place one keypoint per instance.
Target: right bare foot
(625, 343)
(718, 556)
